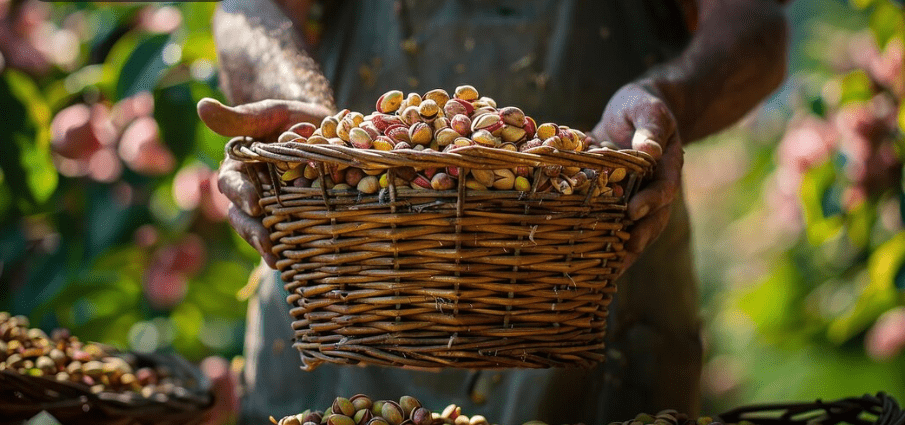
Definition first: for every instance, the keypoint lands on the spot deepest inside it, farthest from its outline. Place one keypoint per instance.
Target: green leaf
(144, 67)
(856, 87)
(27, 137)
(814, 186)
(877, 296)
(861, 4)
(886, 21)
(199, 46)
(177, 116)
(771, 304)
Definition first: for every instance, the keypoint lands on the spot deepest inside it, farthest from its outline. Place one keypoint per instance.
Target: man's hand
(637, 117)
(262, 120)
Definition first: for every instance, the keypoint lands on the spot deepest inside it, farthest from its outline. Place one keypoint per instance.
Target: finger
(254, 233)
(662, 190)
(234, 183)
(646, 231)
(258, 119)
(652, 121)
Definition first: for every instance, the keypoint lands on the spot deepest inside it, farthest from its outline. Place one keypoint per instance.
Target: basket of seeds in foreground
(442, 231)
(82, 382)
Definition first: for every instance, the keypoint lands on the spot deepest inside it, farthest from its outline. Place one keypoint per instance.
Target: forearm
(262, 56)
(736, 58)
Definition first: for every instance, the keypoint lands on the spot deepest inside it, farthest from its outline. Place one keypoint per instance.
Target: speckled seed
(343, 406)
(338, 419)
(378, 421)
(428, 110)
(383, 143)
(421, 416)
(445, 136)
(392, 412)
(522, 184)
(413, 99)
(504, 179)
(461, 124)
(617, 175)
(389, 102)
(409, 403)
(304, 129)
(546, 131)
(439, 96)
(420, 134)
(360, 138)
(512, 116)
(362, 416)
(466, 92)
(512, 134)
(368, 185)
(484, 138)
(328, 126)
(410, 115)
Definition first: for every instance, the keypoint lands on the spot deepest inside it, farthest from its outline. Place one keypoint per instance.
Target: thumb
(259, 119)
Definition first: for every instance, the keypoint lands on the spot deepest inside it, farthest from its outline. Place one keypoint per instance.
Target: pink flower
(142, 151)
(886, 338)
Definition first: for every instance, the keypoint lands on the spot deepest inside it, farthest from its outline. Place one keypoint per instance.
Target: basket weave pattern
(24, 396)
(458, 278)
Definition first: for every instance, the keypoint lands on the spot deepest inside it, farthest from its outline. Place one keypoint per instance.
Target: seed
(617, 175)
(304, 129)
(421, 416)
(289, 136)
(484, 138)
(547, 130)
(439, 96)
(504, 179)
(522, 184)
(360, 138)
(451, 412)
(338, 419)
(328, 126)
(512, 116)
(392, 412)
(368, 185)
(466, 92)
(408, 404)
(389, 102)
(420, 133)
(343, 406)
(428, 110)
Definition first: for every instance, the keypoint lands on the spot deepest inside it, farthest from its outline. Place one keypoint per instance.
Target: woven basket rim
(246, 149)
(64, 395)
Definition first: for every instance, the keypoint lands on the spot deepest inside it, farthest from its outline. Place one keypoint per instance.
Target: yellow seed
(292, 174)
(310, 172)
(474, 185)
(466, 92)
(522, 184)
(617, 175)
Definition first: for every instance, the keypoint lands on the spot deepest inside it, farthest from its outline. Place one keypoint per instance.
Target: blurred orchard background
(113, 227)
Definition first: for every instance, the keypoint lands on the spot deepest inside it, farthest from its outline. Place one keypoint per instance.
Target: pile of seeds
(672, 417)
(61, 356)
(361, 410)
(437, 122)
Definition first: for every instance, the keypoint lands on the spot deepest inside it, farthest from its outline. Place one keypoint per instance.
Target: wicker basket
(24, 396)
(458, 278)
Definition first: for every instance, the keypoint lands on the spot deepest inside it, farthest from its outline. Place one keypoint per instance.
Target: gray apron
(560, 61)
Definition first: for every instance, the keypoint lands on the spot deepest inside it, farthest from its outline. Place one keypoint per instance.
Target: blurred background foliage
(112, 224)
(111, 221)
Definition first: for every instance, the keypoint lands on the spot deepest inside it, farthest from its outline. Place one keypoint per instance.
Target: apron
(559, 61)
